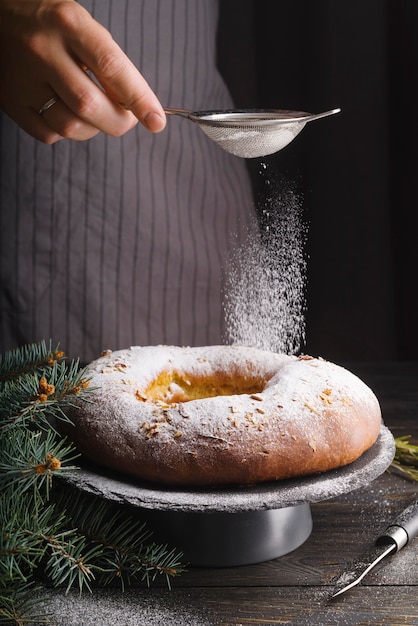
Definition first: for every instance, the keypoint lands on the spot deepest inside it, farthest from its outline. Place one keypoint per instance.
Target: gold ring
(50, 103)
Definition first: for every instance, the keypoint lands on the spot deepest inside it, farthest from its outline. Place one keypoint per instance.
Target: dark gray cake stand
(236, 525)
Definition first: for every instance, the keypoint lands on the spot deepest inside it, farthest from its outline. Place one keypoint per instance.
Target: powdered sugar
(253, 141)
(264, 299)
(135, 607)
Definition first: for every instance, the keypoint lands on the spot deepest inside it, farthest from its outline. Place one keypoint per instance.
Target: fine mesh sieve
(253, 132)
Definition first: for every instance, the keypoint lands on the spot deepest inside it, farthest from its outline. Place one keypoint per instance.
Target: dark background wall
(357, 172)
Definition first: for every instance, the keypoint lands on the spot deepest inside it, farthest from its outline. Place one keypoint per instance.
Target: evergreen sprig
(406, 458)
(76, 542)
(38, 395)
(22, 605)
(31, 458)
(28, 359)
(126, 550)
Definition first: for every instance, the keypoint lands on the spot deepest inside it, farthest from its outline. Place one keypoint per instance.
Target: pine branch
(21, 604)
(126, 551)
(30, 459)
(34, 390)
(39, 397)
(25, 523)
(71, 544)
(70, 560)
(29, 358)
(38, 538)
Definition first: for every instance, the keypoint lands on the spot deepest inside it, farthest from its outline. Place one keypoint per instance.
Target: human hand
(46, 48)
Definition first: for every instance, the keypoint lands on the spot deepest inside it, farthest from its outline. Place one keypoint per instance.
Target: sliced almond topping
(183, 411)
(152, 431)
(311, 408)
(325, 399)
(163, 405)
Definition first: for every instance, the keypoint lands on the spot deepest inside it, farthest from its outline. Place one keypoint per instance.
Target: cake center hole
(171, 387)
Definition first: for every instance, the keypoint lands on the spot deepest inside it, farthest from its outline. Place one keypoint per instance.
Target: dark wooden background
(356, 172)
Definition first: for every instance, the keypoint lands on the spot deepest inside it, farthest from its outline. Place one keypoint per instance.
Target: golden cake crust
(222, 415)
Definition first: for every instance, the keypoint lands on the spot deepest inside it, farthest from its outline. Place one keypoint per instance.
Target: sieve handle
(403, 528)
(182, 112)
(317, 116)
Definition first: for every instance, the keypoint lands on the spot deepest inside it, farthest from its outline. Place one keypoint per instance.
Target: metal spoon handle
(403, 529)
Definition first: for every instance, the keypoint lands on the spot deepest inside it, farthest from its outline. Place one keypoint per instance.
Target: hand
(46, 48)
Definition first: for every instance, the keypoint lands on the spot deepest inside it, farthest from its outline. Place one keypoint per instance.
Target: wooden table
(295, 588)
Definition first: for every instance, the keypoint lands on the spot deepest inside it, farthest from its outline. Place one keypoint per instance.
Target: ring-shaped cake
(222, 415)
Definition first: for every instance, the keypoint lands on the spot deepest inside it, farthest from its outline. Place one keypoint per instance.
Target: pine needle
(29, 358)
(22, 604)
(127, 552)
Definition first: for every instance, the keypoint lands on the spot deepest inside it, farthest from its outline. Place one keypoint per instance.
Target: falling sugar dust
(264, 301)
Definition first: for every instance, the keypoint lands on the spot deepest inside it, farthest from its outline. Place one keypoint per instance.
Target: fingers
(125, 95)
(121, 79)
(54, 123)
(60, 119)
(48, 52)
(82, 97)
(31, 122)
